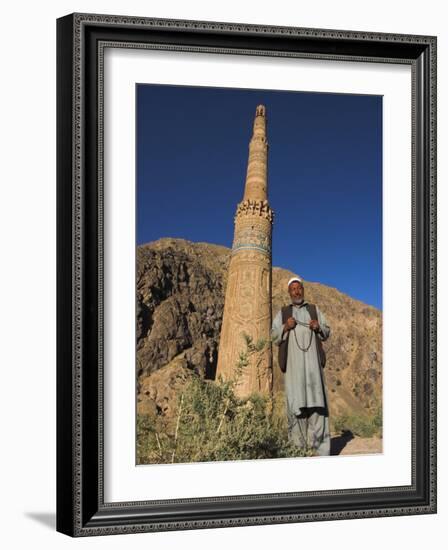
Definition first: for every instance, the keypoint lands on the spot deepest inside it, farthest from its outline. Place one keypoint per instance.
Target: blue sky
(324, 176)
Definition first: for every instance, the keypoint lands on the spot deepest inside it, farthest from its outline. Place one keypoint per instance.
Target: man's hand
(290, 323)
(314, 325)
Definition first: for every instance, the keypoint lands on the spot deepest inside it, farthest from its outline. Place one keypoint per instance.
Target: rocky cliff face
(180, 302)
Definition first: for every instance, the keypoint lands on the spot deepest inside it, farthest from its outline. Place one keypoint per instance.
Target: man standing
(302, 326)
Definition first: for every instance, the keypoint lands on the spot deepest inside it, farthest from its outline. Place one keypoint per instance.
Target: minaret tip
(260, 110)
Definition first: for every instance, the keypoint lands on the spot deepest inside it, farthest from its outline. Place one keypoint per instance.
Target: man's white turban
(295, 279)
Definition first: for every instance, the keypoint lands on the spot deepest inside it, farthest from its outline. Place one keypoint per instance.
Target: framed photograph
(246, 274)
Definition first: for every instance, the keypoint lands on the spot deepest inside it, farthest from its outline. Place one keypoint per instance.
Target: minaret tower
(247, 307)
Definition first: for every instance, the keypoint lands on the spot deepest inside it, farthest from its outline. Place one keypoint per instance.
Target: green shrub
(212, 424)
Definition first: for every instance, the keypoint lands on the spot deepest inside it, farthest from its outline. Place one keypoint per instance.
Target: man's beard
(297, 301)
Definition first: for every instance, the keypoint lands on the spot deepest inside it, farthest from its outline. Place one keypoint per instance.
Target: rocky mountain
(180, 300)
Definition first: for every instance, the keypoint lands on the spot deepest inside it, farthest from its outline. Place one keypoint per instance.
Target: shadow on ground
(340, 441)
(45, 518)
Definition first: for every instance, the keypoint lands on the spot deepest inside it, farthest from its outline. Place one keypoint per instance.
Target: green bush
(212, 424)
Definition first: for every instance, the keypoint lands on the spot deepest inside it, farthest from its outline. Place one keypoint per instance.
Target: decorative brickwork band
(254, 208)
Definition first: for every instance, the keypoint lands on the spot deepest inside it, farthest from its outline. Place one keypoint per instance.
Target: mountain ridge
(180, 288)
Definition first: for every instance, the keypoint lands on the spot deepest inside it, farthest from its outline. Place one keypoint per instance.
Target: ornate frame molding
(81, 510)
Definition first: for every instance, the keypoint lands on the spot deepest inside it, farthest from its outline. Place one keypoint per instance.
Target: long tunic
(304, 381)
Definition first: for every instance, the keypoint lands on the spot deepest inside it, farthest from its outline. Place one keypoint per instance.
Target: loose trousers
(310, 430)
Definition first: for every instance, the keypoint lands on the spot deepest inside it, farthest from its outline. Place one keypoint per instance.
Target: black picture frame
(81, 510)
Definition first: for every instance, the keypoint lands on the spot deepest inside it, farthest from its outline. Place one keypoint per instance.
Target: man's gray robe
(306, 396)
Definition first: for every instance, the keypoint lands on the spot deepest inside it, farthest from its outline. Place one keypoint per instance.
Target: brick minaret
(247, 307)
